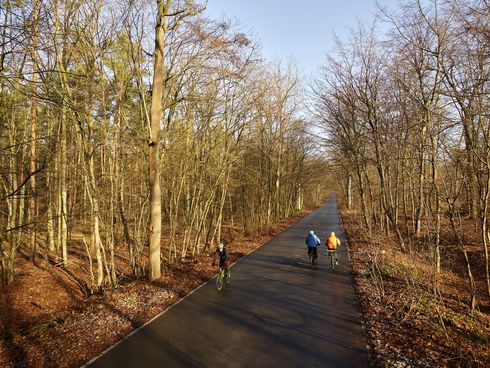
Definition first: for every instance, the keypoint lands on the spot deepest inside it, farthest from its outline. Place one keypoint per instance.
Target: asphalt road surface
(278, 311)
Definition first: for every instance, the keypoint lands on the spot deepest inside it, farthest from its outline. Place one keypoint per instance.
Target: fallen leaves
(405, 323)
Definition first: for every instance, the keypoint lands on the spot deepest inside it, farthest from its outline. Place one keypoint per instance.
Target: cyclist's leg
(219, 279)
(223, 266)
(227, 274)
(311, 254)
(331, 255)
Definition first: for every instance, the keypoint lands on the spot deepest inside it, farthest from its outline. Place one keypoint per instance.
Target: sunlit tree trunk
(50, 189)
(154, 141)
(63, 192)
(33, 157)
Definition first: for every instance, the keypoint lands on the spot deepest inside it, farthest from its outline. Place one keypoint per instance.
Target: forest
(135, 136)
(90, 156)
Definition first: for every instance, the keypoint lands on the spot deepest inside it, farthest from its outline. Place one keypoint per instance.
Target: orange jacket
(332, 242)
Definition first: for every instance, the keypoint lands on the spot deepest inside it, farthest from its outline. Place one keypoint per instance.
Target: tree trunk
(62, 187)
(155, 228)
(33, 159)
(484, 225)
(349, 192)
(50, 190)
(362, 193)
(420, 207)
(63, 192)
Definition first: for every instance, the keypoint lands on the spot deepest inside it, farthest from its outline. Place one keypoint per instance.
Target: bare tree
(164, 12)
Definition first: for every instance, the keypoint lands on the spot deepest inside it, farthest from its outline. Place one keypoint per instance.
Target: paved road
(277, 312)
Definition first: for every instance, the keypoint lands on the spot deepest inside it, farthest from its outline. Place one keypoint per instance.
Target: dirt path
(278, 311)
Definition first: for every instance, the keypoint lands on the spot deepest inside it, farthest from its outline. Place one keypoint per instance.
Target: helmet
(220, 246)
(312, 232)
(332, 234)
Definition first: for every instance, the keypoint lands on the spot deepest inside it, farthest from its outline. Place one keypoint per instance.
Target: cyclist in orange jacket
(332, 243)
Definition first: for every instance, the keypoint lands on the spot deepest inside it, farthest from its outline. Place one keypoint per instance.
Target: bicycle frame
(223, 277)
(332, 254)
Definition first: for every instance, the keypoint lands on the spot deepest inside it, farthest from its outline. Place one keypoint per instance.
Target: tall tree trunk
(32, 163)
(484, 226)
(362, 193)
(349, 192)
(155, 227)
(62, 186)
(102, 269)
(437, 200)
(420, 207)
(63, 192)
(50, 189)
(8, 247)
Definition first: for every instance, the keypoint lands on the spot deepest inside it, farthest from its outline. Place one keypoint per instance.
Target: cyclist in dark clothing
(222, 253)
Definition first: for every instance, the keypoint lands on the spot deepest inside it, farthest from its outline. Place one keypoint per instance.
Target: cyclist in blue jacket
(312, 242)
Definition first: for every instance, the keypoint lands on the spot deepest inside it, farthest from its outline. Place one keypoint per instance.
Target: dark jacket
(223, 256)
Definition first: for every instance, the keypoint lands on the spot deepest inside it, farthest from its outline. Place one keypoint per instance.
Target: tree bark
(33, 158)
(155, 228)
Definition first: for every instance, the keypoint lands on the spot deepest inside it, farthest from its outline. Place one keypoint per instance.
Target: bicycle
(332, 254)
(223, 277)
(312, 256)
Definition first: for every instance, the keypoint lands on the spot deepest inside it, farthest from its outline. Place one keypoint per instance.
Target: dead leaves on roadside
(405, 323)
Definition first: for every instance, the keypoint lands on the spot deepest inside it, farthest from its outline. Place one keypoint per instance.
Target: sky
(302, 30)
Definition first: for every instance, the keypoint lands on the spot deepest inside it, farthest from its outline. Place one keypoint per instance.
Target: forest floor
(46, 319)
(407, 323)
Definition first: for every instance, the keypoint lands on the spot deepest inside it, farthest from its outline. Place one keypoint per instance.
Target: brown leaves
(408, 326)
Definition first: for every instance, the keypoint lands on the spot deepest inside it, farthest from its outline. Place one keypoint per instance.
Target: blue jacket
(312, 241)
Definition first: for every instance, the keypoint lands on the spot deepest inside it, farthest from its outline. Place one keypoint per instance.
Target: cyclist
(332, 243)
(312, 241)
(222, 253)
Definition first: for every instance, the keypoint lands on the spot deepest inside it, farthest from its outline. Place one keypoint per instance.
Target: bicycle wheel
(311, 258)
(219, 280)
(332, 260)
(227, 276)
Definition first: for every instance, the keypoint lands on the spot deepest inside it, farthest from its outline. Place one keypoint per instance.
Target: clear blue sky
(302, 30)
